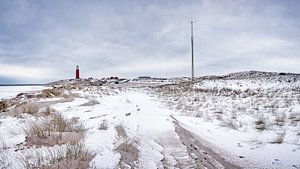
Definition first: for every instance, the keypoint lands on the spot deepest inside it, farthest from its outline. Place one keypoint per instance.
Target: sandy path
(203, 156)
(180, 147)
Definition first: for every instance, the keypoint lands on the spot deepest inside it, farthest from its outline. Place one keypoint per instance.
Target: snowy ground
(133, 126)
(253, 115)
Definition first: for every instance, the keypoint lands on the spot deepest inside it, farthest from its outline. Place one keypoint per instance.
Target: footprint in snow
(297, 166)
(277, 162)
(239, 145)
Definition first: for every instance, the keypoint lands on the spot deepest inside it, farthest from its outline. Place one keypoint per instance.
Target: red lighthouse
(77, 72)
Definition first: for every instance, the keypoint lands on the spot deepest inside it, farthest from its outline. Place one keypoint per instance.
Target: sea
(7, 92)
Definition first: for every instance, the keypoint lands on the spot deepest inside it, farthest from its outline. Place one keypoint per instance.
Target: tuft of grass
(260, 124)
(37, 129)
(47, 93)
(29, 108)
(129, 153)
(45, 110)
(78, 152)
(59, 124)
(121, 131)
(127, 146)
(51, 126)
(3, 145)
(103, 125)
(92, 102)
(75, 156)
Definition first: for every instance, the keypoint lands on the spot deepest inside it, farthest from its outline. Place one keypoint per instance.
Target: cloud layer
(42, 41)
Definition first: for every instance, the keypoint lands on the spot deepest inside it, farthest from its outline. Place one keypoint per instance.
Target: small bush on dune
(3, 106)
(47, 93)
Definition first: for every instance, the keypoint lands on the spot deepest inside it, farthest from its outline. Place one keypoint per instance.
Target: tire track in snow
(152, 126)
(174, 152)
(203, 156)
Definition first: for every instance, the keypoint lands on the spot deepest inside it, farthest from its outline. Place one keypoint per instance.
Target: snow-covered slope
(241, 120)
(263, 107)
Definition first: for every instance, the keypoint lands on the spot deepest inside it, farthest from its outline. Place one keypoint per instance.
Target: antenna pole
(192, 47)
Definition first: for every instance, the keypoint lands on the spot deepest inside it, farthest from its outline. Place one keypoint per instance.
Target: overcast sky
(43, 40)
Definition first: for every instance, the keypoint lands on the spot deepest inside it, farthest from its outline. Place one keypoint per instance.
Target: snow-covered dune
(247, 113)
(241, 120)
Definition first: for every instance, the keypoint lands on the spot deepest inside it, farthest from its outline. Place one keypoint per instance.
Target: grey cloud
(128, 38)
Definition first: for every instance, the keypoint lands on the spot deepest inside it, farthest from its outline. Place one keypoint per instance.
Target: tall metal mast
(192, 44)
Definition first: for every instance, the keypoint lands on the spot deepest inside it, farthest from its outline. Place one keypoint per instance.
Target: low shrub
(3, 106)
(47, 93)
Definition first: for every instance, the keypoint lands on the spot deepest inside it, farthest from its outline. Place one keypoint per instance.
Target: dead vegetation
(260, 124)
(127, 149)
(268, 108)
(59, 136)
(90, 103)
(29, 108)
(3, 145)
(3, 106)
(121, 131)
(47, 93)
(129, 153)
(32, 108)
(75, 156)
(53, 131)
(103, 125)
(29, 104)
